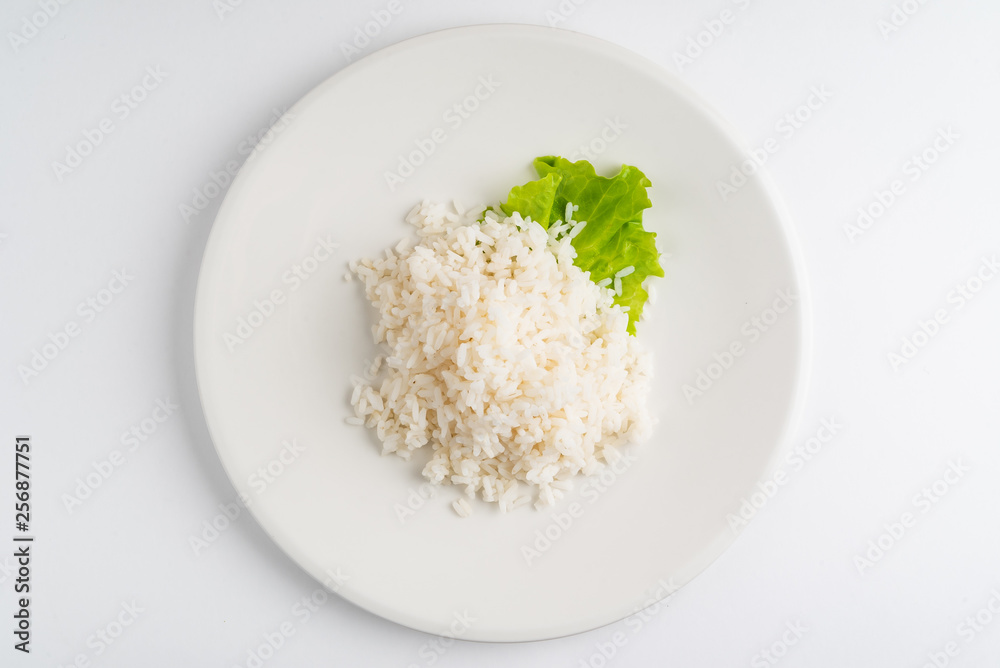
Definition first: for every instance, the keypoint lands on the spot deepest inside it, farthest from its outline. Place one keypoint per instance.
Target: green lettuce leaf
(534, 199)
(613, 237)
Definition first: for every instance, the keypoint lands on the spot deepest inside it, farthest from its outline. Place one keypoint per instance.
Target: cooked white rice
(502, 355)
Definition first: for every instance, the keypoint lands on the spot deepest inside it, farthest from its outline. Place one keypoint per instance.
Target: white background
(805, 561)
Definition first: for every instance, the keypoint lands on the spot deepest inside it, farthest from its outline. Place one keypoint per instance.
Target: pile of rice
(503, 355)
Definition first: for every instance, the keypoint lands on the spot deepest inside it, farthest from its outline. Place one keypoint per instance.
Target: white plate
(335, 505)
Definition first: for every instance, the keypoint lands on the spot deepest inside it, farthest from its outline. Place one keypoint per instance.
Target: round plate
(278, 331)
